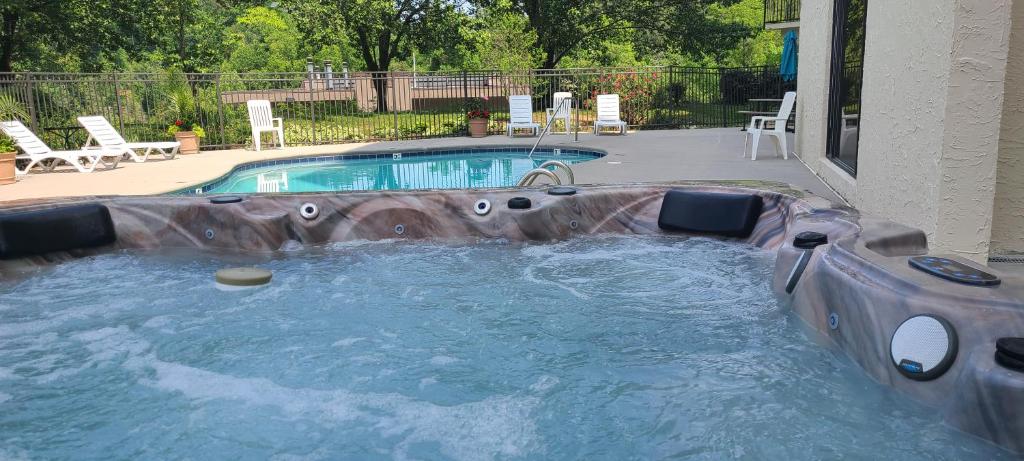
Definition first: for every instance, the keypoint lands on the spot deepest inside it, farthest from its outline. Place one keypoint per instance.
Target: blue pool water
(605, 348)
(476, 168)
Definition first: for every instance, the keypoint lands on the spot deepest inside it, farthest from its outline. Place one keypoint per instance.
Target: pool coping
(205, 186)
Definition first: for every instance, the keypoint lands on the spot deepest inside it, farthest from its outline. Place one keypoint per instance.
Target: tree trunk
(10, 28)
(183, 18)
(380, 85)
(378, 67)
(550, 60)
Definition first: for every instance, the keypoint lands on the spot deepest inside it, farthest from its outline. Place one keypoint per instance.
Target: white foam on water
(13, 454)
(544, 383)
(5, 397)
(442, 360)
(316, 455)
(7, 373)
(528, 274)
(162, 323)
(493, 427)
(346, 342)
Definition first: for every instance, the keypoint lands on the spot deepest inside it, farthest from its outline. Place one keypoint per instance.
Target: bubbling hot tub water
(596, 348)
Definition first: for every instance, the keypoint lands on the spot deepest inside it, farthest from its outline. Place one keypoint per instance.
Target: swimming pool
(603, 348)
(427, 169)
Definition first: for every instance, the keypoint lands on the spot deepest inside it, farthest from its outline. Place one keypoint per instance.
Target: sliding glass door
(844, 120)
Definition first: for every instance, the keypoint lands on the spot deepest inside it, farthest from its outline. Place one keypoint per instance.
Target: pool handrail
(547, 126)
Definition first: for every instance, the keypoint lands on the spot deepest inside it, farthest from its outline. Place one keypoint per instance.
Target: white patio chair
(850, 133)
(608, 114)
(105, 136)
(777, 131)
(37, 152)
(561, 109)
(262, 120)
(520, 110)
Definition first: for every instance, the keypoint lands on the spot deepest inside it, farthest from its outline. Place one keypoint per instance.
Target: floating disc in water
(237, 278)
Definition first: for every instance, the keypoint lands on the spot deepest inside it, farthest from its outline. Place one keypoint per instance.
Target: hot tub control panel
(953, 270)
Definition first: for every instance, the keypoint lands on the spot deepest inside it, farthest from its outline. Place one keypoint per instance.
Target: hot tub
(639, 321)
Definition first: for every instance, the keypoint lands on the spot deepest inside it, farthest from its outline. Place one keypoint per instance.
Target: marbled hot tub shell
(861, 278)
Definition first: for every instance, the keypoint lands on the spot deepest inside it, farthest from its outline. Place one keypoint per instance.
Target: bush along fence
(326, 107)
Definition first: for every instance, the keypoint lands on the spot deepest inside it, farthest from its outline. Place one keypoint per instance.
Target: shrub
(739, 85)
(635, 94)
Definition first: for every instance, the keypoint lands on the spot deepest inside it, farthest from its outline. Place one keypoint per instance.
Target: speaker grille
(923, 347)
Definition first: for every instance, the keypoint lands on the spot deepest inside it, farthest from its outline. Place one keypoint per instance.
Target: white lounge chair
(37, 152)
(608, 114)
(520, 110)
(759, 126)
(104, 135)
(262, 120)
(561, 109)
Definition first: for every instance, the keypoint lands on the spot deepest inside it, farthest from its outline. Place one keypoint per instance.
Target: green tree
(33, 29)
(565, 26)
(381, 30)
(760, 47)
(503, 40)
(263, 40)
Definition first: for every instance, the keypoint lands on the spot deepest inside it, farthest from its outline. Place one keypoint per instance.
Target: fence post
(220, 109)
(394, 103)
(30, 95)
(312, 107)
(673, 111)
(117, 102)
(722, 99)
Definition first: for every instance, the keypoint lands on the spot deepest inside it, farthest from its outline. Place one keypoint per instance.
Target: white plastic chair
(520, 110)
(608, 114)
(561, 109)
(262, 120)
(105, 136)
(777, 131)
(37, 152)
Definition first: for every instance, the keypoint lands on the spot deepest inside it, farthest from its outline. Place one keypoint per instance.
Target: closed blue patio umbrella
(787, 70)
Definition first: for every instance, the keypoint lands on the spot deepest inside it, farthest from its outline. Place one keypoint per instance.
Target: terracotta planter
(7, 167)
(189, 142)
(477, 127)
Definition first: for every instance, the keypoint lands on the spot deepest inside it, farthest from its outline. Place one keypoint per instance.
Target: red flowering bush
(635, 91)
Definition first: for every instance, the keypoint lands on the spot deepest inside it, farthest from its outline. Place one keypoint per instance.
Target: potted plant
(188, 133)
(10, 109)
(181, 107)
(7, 157)
(478, 117)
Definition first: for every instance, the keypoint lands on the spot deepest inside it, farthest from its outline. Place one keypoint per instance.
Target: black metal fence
(781, 11)
(326, 108)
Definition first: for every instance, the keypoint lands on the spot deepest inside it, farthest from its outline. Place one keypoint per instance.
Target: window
(845, 83)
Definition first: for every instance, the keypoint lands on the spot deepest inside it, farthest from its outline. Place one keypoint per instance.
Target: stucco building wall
(1008, 210)
(930, 110)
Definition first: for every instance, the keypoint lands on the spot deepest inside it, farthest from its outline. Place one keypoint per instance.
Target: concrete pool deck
(645, 156)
